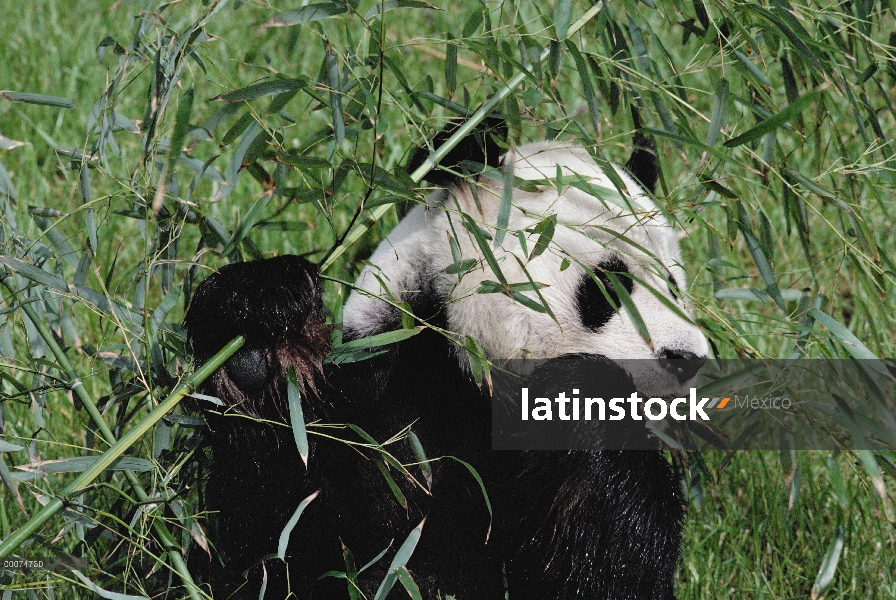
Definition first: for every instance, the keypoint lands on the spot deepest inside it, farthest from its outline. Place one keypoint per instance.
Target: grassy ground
(801, 212)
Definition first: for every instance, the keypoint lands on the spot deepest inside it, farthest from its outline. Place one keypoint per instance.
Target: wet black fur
(565, 524)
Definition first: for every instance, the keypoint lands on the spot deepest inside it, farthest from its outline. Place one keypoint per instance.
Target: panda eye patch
(591, 297)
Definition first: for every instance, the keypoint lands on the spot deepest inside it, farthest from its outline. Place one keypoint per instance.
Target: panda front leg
(604, 523)
(593, 525)
(256, 478)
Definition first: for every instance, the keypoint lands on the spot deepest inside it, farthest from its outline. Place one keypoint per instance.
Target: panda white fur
(560, 524)
(590, 232)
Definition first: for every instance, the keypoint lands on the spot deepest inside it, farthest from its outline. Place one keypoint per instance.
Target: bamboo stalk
(433, 160)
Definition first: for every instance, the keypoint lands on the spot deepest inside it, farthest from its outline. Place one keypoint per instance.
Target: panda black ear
(643, 163)
(484, 145)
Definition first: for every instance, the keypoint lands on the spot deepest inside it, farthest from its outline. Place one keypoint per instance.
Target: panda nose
(681, 363)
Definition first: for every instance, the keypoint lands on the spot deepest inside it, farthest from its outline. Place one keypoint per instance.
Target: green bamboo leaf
(235, 166)
(11, 482)
(847, 339)
(765, 269)
(283, 542)
(7, 189)
(795, 483)
(7, 447)
(752, 69)
(812, 186)
(104, 593)
(351, 574)
(181, 127)
(164, 308)
(504, 206)
(828, 566)
(393, 182)
(43, 99)
(479, 366)
(390, 481)
(79, 464)
(555, 55)
(631, 309)
(790, 86)
(450, 65)
(75, 154)
(366, 437)
(420, 457)
(252, 216)
(473, 22)
(562, 15)
(89, 216)
(488, 503)
(775, 121)
(296, 417)
(587, 87)
(758, 295)
(461, 267)
(455, 247)
(404, 576)
(660, 295)
(393, 4)
(57, 239)
(490, 287)
(264, 582)
(521, 236)
(732, 219)
(9, 144)
(308, 14)
(391, 460)
(545, 231)
(380, 339)
(528, 302)
(334, 82)
(480, 236)
(35, 274)
(717, 187)
(792, 33)
(837, 480)
(375, 559)
(161, 440)
(407, 315)
(237, 129)
(719, 116)
(263, 89)
(877, 480)
(400, 560)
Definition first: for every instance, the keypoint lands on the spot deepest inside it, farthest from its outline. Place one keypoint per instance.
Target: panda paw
(275, 304)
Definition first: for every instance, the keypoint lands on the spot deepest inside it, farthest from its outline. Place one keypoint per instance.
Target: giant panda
(495, 524)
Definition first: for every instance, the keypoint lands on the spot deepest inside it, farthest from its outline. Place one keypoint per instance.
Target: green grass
(775, 133)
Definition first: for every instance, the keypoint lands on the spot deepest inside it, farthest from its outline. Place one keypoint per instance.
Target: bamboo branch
(433, 160)
(117, 447)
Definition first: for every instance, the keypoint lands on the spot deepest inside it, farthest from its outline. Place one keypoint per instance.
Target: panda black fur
(565, 524)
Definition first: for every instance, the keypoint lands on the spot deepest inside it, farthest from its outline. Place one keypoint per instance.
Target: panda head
(599, 236)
